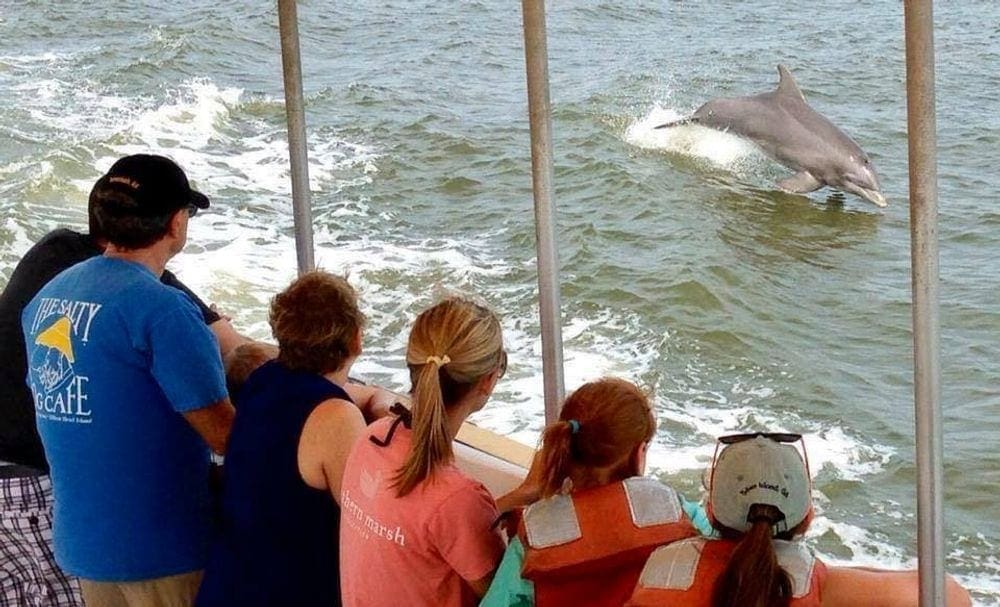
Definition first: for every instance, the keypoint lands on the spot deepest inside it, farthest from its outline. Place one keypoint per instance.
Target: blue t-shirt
(114, 359)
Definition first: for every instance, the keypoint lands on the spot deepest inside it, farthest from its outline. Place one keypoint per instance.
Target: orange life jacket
(683, 574)
(588, 548)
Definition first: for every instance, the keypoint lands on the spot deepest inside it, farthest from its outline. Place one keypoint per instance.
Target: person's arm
(525, 493)
(698, 515)
(327, 438)
(226, 335)
(373, 401)
(213, 424)
(184, 360)
(849, 586)
(519, 497)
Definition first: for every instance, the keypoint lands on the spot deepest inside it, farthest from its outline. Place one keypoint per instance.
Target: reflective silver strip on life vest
(799, 562)
(672, 567)
(651, 502)
(551, 522)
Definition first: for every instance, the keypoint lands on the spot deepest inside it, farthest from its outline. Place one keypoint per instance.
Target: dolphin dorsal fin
(786, 84)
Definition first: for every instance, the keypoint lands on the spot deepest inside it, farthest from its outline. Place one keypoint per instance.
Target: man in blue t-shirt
(129, 395)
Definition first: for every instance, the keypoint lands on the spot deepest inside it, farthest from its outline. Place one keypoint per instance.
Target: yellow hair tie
(438, 360)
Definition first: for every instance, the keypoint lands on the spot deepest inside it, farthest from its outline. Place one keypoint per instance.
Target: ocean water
(682, 268)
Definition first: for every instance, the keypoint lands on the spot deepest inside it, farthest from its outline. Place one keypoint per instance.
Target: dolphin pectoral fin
(800, 183)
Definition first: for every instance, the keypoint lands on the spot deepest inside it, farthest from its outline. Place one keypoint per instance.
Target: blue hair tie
(574, 426)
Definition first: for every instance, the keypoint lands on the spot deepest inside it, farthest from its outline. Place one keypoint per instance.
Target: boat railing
(291, 68)
(536, 56)
(922, 141)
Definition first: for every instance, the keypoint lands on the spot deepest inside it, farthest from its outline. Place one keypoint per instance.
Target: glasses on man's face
(192, 210)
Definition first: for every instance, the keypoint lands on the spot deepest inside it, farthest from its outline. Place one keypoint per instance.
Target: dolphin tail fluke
(682, 121)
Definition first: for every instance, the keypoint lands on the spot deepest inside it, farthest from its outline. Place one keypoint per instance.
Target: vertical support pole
(291, 64)
(539, 112)
(922, 130)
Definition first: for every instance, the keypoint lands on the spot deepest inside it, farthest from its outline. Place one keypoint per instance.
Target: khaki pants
(172, 591)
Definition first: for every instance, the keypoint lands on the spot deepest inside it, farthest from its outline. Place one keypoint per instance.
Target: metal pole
(922, 130)
(537, 63)
(291, 64)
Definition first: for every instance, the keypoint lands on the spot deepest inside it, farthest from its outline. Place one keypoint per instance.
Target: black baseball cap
(147, 185)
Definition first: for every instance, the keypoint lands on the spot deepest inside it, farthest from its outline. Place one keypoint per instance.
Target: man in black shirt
(25, 488)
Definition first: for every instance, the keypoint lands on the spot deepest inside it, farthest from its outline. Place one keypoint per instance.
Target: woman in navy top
(296, 422)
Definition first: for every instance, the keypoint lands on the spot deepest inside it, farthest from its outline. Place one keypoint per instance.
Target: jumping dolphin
(794, 134)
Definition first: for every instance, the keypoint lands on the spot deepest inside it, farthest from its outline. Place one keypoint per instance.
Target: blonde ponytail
(452, 346)
(431, 444)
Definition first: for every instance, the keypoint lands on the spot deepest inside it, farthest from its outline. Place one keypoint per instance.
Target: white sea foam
(32, 61)
(720, 148)
(831, 450)
(71, 111)
(19, 237)
(196, 129)
(192, 120)
(866, 547)
(240, 257)
(748, 403)
(984, 558)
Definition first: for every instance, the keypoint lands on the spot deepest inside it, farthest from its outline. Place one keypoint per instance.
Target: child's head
(602, 432)
(317, 323)
(244, 359)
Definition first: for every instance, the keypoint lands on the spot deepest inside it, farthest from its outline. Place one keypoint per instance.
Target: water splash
(716, 147)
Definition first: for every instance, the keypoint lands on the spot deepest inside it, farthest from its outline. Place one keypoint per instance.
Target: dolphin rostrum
(794, 134)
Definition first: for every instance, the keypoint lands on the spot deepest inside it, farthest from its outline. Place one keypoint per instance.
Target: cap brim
(199, 200)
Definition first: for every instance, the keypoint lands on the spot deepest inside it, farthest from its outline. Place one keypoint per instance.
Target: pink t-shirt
(417, 549)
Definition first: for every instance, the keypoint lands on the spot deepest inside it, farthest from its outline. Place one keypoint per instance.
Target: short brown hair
(243, 360)
(315, 321)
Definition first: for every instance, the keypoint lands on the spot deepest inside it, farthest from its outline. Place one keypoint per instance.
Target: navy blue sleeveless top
(278, 542)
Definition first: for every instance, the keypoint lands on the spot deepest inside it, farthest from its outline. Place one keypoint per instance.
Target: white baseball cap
(755, 469)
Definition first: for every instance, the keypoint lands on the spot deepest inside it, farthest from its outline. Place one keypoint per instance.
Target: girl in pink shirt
(414, 529)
